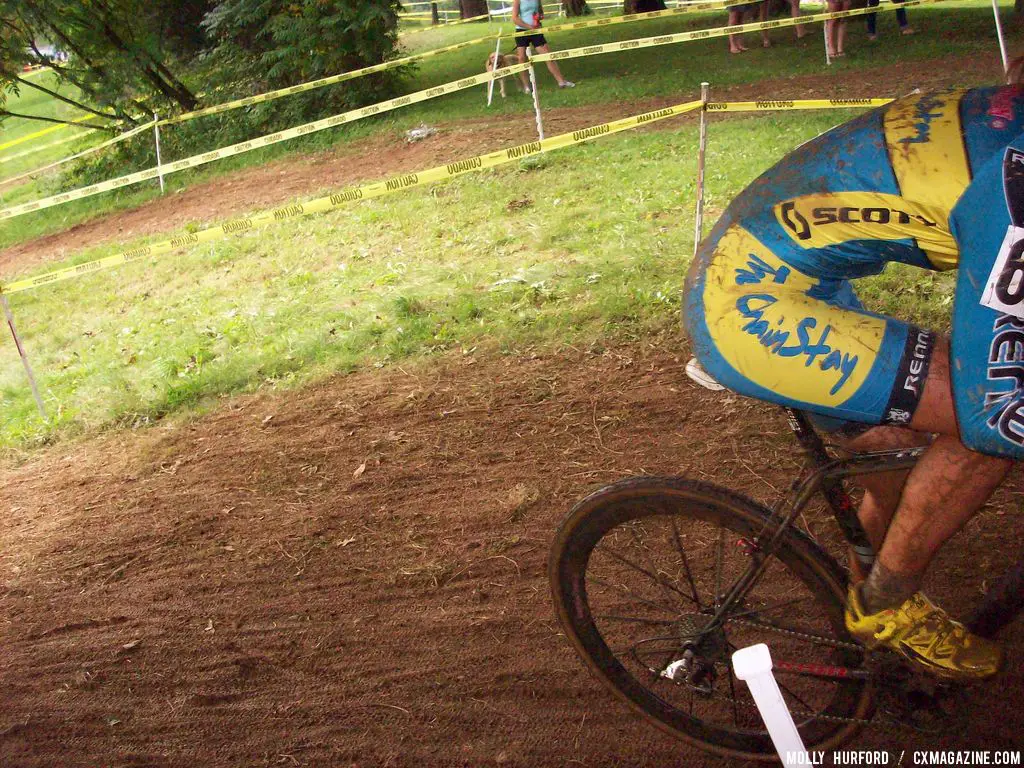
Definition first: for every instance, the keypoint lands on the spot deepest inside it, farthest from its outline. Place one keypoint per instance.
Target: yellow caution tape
(703, 5)
(110, 142)
(43, 132)
(353, 194)
(766, 106)
(312, 84)
(262, 141)
(704, 34)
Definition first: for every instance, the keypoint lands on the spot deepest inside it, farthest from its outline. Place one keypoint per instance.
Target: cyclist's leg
(942, 492)
(882, 490)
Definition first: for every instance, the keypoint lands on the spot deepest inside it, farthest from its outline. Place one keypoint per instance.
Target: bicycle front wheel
(638, 571)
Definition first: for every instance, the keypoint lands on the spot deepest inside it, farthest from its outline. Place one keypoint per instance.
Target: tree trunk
(434, 17)
(470, 8)
(642, 6)
(580, 7)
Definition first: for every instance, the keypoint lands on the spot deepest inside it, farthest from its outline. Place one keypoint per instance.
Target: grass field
(20, 153)
(585, 246)
(952, 28)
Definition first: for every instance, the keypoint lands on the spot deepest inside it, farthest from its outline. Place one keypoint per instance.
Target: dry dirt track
(236, 591)
(354, 574)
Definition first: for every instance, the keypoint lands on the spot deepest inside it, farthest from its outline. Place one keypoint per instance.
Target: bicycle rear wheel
(636, 572)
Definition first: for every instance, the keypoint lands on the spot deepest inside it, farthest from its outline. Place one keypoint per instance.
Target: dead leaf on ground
(518, 205)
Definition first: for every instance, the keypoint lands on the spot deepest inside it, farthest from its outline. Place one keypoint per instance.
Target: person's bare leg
(794, 11)
(947, 486)
(735, 41)
(763, 16)
(521, 55)
(882, 490)
(552, 65)
(840, 37)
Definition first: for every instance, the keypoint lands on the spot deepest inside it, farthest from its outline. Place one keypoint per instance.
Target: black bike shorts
(526, 41)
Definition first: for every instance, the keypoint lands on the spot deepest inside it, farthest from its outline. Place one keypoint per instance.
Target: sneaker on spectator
(567, 84)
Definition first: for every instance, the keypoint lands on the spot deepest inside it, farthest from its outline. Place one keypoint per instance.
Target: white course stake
(828, 59)
(536, 97)
(999, 34)
(159, 168)
(698, 226)
(753, 665)
(495, 68)
(24, 357)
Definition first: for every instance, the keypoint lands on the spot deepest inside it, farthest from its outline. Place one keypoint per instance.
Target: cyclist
(935, 180)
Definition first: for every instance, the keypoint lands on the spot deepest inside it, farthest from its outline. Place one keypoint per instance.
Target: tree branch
(8, 113)
(65, 99)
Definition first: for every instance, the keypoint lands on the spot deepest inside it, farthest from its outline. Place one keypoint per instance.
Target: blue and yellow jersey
(769, 303)
(879, 188)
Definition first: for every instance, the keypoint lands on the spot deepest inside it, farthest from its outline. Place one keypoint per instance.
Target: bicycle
(627, 569)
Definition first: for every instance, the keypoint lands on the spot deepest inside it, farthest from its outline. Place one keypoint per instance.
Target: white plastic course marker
(999, 34)
(702, 145)
(536, 96)
(159, 166)
(753, 665)
(494, 68)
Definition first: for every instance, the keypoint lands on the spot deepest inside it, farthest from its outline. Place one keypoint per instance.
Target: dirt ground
(390, 154)
(354, 574)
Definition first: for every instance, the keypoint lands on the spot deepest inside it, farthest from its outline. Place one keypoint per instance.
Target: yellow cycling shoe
(925, 634)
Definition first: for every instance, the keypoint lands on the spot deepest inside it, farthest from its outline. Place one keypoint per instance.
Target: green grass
(33, 102)
(672, 70)
(581, 246)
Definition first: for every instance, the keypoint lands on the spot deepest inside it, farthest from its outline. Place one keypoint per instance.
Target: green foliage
(298, 40)
(110, 55)
(262, 45)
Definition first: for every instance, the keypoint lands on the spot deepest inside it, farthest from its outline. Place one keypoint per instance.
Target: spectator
(736, 13)
(901, 19)
(527, 15)
(835, 29)
(643, 6)
(794, 11)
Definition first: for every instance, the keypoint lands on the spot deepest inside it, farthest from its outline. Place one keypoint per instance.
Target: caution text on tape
(768, 106)
(354, 194)
(263, 141)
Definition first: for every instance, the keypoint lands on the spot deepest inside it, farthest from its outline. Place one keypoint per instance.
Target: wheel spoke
(654, 572)
(719, 552)
(777, 606)
(686, 563)
(629, 563)
(807, 707)
(627, 591)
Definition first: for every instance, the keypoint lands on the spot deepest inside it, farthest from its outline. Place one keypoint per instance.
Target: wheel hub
(702, 647)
